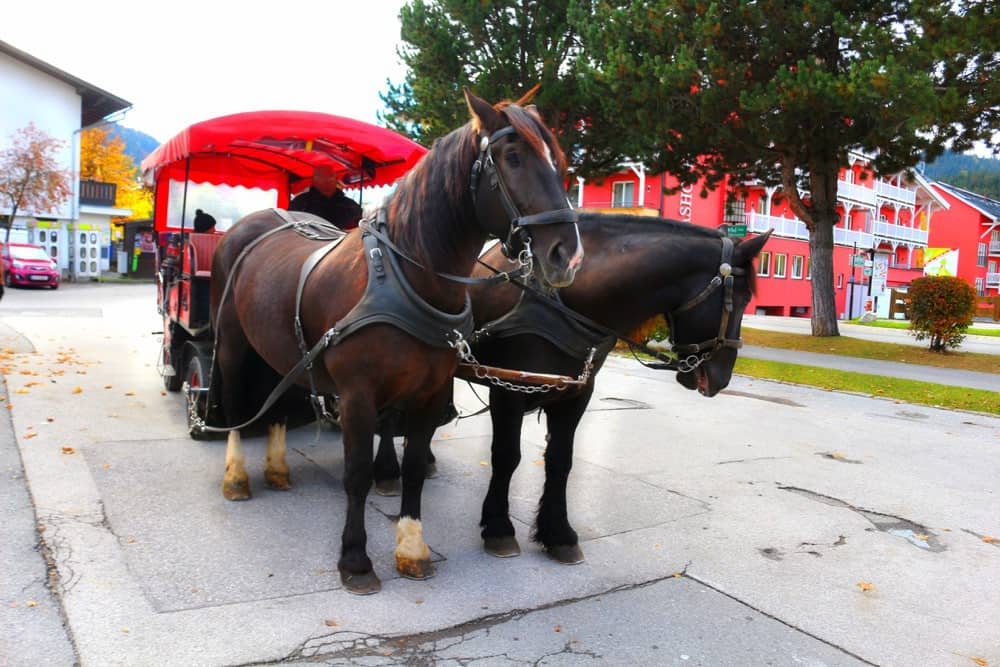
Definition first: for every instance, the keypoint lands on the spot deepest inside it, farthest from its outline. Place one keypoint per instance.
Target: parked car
(28, 264)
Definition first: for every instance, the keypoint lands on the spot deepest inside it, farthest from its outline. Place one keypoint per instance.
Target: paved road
(771, 525)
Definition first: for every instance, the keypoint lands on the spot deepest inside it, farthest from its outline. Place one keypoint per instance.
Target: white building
(77, 235)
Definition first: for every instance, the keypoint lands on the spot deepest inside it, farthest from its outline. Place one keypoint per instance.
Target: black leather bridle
(693, 355)
(485, 174)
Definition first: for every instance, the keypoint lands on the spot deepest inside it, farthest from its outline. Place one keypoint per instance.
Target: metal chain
(464, 352)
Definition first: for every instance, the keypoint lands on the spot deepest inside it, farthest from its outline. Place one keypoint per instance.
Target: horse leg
(276, 468)
(357, 421)
(552, 528)
(507, 413)
(235, 483)
(386, 470)
(413, 556)
(230, 355)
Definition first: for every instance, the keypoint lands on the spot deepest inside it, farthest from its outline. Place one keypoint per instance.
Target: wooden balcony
(97, 193)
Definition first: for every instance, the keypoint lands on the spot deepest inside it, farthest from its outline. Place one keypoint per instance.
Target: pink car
(28, 264)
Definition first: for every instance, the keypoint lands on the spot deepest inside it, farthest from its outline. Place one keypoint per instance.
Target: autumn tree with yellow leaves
(103, 158)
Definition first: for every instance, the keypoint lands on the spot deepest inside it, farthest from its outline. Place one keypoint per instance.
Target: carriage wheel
(171, 382)
(197, 396)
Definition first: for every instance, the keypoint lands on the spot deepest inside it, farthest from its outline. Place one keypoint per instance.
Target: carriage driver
(326, 199)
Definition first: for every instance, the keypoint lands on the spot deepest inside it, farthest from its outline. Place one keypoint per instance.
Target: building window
(622, 194)
(762, 205)
(840, 281)
(779, 265)
(981, 254)
(979, 287)
(797, 262)
(764, 264)
(809, 268)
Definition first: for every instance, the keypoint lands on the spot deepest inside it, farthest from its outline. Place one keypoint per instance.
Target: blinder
(694, 354)
(485, 173)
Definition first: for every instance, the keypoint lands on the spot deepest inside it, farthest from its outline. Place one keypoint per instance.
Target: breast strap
(390, 299)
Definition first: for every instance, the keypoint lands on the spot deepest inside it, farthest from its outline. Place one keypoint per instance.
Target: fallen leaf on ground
(29, 435)
(31, 603)
(77, 390)
(68, 450)
(865, 586)
(558, 628)
(539, 462)
(22, 391)
(50, 419)
(922, 536)
(130, 393)
(330, 623)
(483, 463)
(989, 539)
(982, 662)
(107, 386)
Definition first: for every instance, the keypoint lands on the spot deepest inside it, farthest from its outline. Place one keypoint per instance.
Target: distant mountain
(138, 144)
(975, 174)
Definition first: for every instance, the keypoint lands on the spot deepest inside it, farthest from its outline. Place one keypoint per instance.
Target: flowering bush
(941, 308)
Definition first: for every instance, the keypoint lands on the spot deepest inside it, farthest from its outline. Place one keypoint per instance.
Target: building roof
(988, 207)
(97, 103)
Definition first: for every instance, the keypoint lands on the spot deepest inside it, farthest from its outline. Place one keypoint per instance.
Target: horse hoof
(236, 490)
(364, 583)
(418, 569)
(388, 487)
(278, 481)
(567, 554)
(505, 546)
(431, 472)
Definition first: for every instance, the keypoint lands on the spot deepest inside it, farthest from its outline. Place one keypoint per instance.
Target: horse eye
(513, 159)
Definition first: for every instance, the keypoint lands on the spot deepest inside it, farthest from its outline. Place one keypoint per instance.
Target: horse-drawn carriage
(379, 318)
(228, 167)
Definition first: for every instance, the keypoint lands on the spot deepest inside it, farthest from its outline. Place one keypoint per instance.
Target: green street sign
(867, 271)
(736, 230)
(857, 260)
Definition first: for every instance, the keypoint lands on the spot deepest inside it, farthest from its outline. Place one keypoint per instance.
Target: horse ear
(747, 249)
(528, 96)
(484, 116)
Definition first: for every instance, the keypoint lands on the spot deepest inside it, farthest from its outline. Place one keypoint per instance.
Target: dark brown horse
(636, 268)
(500, 173)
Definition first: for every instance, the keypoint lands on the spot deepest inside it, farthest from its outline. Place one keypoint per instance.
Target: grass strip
(909, 391)
(902, 324)
(867, 349)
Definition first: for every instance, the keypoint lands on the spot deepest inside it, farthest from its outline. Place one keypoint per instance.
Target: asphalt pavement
(773, 524)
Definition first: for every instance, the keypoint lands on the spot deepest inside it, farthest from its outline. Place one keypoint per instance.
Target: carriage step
(168, 370)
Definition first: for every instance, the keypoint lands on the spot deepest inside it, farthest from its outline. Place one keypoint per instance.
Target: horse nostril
(558, 255)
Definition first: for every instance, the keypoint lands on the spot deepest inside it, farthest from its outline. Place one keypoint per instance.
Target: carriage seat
(198, 259)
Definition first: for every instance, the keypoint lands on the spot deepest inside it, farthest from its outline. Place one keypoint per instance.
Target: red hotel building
(972, 226)
(885, 218)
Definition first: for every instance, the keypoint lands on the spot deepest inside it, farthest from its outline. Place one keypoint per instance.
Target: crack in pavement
(916, 534)
(414, 650)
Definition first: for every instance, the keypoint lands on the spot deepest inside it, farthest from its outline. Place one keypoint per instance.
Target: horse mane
(619, 223)
(432, 202)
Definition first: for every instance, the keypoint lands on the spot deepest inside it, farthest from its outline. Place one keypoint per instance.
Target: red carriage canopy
(277, 150)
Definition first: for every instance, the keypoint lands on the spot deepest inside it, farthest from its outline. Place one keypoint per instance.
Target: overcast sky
(181, 62)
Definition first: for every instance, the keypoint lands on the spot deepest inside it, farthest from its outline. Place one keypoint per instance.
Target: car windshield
(27, 252)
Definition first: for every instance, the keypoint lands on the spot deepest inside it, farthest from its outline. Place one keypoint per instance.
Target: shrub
(655, 328)
(942, 308)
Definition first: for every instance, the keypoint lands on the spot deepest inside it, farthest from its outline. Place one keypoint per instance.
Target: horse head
(517, 189)
(705, 329)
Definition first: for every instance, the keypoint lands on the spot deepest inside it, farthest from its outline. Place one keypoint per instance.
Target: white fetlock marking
(275, 457)
(410, 540)
(235, 460)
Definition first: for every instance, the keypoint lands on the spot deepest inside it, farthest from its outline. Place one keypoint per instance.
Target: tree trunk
(824, 305)
(823, 193)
